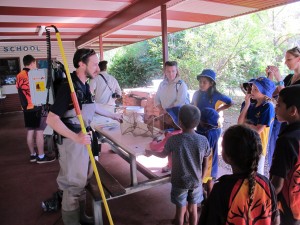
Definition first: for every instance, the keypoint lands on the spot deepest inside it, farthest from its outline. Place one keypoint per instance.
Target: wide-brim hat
(174, 113)
(265, 86)
(210, 116)
(209, 74)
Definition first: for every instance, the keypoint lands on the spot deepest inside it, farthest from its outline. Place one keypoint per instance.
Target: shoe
(53, 204)
(166, 169)
(46, 159)
(32, 158)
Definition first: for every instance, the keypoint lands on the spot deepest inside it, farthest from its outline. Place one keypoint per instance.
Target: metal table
(129, 147)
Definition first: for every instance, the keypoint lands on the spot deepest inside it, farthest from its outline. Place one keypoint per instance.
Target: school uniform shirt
(286, 164)
(228, 202)
(202, 100)
(212, 134)
(22, 85)
(263, 114)
(188, 151)
(170, 94)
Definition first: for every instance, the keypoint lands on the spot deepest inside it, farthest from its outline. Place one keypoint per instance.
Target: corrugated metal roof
(121, 22)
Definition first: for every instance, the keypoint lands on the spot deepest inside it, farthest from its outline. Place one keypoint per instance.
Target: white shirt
(171, 94)
(103, 92)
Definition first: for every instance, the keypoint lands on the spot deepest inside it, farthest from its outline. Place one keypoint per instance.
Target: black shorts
(35, 118)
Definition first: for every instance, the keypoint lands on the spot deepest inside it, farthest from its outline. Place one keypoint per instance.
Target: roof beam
(127, 16)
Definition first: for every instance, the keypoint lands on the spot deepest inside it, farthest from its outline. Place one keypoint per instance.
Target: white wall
(38, 49)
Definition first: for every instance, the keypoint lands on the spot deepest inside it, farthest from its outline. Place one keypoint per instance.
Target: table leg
(133, 170)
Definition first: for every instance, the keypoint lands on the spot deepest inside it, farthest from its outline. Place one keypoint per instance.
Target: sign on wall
(24, 48)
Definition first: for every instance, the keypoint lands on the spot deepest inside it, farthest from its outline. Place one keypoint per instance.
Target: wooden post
(101, 48)
(164, 31)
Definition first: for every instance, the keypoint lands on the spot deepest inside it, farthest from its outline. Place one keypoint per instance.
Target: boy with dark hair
(189, 157)
(34, 121)
(103, 65)
(285, 169)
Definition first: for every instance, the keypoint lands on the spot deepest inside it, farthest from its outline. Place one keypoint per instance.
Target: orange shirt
(22, 84)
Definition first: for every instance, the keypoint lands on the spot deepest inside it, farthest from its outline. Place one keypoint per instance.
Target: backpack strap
(83, 96)
(178, 84)
(106, 82)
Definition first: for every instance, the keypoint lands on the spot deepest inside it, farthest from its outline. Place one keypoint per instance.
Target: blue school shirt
(264, 115)
(202, 100)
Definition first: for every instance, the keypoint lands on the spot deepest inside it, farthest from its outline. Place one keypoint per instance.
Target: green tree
(237, 49)
(132, 67)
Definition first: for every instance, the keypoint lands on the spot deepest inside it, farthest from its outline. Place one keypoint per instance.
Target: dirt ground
(230, 117)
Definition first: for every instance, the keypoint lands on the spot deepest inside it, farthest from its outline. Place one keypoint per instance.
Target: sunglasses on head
(87, 54)
(296, 49)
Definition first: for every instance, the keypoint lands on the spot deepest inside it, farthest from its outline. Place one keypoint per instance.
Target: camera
(115, 95)
(247, 87)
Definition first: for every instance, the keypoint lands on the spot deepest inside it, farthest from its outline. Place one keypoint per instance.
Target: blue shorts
(180, 196)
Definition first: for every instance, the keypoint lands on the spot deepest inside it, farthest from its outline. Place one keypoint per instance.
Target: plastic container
(134, 109)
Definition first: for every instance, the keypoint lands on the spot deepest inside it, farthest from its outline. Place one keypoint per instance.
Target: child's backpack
(158, 145)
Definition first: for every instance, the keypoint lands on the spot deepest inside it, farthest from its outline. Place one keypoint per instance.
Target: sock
(34, 154)
(41, 156)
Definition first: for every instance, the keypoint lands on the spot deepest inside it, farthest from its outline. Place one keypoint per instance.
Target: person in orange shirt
(245, 196)
(35, 122)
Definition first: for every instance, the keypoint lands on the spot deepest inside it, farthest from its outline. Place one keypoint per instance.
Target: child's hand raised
(247, 100)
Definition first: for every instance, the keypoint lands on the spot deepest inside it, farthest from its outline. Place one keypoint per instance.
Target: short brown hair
(102, 65)
(28, 59)
(82, 55)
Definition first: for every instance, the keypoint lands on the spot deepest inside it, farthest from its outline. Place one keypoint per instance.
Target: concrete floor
(25, 185)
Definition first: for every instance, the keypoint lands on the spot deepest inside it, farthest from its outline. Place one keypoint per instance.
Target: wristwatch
(279, 83)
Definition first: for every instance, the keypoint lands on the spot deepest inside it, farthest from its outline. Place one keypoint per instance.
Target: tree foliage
(133, 67)
(237, 49)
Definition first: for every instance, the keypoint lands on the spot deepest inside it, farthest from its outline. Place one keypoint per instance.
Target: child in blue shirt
(208, 95)
(209, 127)
(260, 114)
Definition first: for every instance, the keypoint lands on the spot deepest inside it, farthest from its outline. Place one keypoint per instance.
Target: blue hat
(265, 86)
(210, 116)
(174, 113)
(208, 73)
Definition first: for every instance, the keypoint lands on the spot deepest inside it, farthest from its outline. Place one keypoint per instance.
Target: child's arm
(243, 114)
(226, 106)
(277, 183)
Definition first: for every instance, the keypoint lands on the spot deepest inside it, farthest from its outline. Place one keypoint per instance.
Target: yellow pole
(78, 112)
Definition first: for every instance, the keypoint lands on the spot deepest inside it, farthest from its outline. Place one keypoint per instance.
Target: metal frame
(154, 180)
